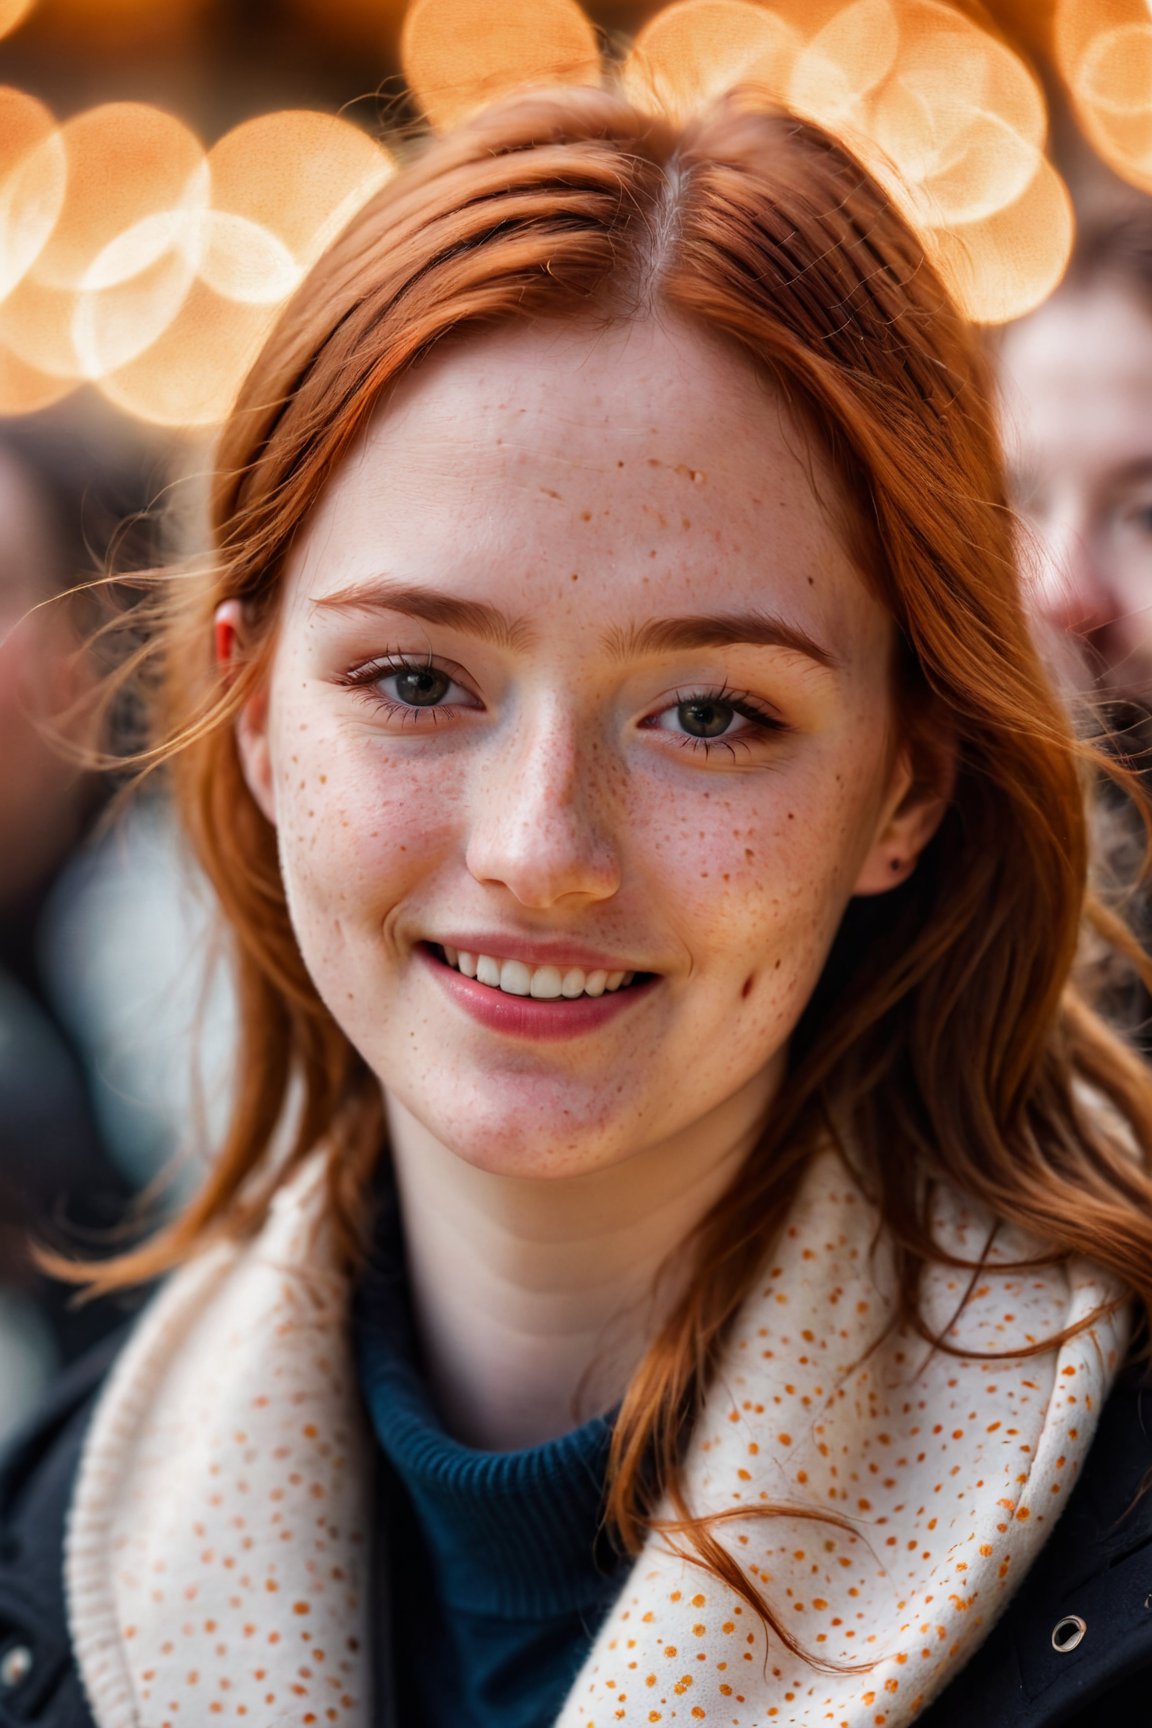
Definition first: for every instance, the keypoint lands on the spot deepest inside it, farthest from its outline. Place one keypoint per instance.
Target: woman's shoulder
(1076, 1639)
(37, 1472)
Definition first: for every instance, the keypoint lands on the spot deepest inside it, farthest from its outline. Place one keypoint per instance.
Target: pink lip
(561, 954)
(524, 1016)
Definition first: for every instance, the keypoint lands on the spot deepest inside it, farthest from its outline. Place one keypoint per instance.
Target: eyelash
(364, 681)
(741, 702)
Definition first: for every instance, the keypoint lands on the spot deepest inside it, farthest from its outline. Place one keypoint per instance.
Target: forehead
(570, 466)
(1077, 380)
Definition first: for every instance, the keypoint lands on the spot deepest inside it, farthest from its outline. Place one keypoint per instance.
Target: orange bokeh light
(1103, 49)
(459, 54)
(190, 375)
(132, 258)
(844, 61)
(12, 13)
(157, 270)
(694, 50)
(33, 173)
(1005, 265)
(297, 174)
(125, 161)
(24, 390)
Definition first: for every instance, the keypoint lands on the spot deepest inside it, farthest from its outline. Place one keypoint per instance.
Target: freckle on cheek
(748, 983)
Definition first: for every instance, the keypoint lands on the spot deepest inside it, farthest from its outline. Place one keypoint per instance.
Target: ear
(252, 721)
(918, 795)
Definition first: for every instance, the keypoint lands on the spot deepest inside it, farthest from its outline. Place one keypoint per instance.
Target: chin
(530, 1142)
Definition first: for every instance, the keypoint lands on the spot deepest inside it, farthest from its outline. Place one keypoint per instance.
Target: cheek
(355, 836)
(762, 880)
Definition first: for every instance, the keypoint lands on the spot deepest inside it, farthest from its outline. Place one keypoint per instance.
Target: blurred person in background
(1076, 395)
(1076, 380)
(58, 509)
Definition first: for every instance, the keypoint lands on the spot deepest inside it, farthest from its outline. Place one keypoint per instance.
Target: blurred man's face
(1077, 397)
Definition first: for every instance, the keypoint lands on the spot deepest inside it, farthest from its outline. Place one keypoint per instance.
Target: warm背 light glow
(189, 376)
(691, 52)
(460, 54)
(12, 13)
(33, 176)
(1005, 265)
(1104, 52)
(296, 175)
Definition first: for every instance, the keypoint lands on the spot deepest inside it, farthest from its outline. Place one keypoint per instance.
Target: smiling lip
(526, 1016)
(559, 954)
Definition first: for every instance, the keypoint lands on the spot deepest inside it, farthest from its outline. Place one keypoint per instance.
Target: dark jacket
(1073, 1650)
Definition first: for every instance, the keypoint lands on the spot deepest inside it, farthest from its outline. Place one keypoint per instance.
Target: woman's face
(574, 674)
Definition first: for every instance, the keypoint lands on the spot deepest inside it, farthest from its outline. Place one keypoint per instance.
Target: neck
(536, 1297)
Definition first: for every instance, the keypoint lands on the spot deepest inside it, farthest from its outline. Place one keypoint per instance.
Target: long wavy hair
(950, 1029)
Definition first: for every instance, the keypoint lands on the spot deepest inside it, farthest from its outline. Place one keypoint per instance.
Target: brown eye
(704, 717)
(420, 686)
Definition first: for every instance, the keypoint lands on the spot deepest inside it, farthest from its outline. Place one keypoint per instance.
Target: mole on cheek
(748, 983)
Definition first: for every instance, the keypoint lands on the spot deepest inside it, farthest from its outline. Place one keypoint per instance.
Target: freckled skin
(542, 799)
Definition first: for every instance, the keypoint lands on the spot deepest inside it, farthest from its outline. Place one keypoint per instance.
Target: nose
(1075, 587)
(542, 823)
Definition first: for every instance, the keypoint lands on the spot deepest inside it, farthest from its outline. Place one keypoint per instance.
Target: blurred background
(168, 171)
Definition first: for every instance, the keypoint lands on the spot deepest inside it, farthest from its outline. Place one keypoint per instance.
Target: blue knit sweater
(500, 1575)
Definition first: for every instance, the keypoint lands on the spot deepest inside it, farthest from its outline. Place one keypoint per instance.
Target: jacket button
(15, 1665)
(1068, 1633)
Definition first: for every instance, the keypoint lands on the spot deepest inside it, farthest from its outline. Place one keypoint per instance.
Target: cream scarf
(218, 1558)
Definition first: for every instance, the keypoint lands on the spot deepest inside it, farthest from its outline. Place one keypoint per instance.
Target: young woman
(682, 1225)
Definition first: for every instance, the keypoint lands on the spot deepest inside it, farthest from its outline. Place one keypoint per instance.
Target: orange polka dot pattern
(217, 1565)
(944, 1474)
(217, 1552)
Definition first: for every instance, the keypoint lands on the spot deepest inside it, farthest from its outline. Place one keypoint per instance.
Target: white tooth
(452, 955)
(572, 984)
(594, 983)
(546, 982)
(515, 978)
(467, 963)
(488, 970)
(614, 981)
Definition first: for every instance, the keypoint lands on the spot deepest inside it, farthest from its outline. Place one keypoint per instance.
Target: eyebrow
(1132, 472)
(726, 630)
(473, 617)
(654, 636)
